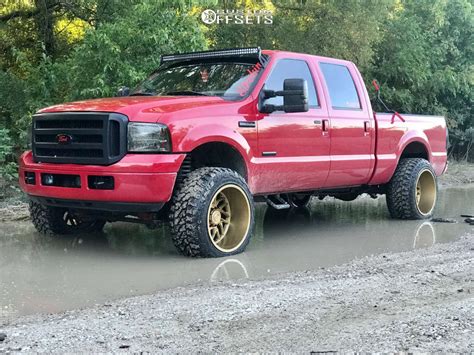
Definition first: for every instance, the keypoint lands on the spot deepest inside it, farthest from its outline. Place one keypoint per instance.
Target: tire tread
(186, 204)
(401, 200)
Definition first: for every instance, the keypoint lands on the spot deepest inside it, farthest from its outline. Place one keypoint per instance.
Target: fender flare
(200, 135)
(406, 139)
(414, 137)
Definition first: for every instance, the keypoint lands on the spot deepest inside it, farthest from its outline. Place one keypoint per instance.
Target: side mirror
(123, 91)
(295, 97)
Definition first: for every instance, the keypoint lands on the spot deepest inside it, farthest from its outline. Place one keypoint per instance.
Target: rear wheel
(59, 221)
(412, 192)
(212, 214)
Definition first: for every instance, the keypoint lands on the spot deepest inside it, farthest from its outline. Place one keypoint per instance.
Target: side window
(290, 69)
(342, 90)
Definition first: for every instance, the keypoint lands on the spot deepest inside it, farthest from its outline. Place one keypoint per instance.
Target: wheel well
(214, 154)
(415, 150)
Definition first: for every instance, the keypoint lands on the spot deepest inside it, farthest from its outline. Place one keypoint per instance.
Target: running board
(280, 203)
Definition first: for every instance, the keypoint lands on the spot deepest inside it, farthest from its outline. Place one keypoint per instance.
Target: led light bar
(253, 52)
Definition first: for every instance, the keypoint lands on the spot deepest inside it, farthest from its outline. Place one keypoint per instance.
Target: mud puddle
(38, 275)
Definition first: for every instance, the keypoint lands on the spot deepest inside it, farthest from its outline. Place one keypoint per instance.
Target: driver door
(294, 147)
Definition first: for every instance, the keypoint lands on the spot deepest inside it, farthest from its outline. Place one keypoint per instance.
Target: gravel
(413, 301)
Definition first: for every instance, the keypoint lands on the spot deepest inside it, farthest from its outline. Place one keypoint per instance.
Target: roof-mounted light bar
(252, 52)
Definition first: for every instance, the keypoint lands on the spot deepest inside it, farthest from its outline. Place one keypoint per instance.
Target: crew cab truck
(210, 133)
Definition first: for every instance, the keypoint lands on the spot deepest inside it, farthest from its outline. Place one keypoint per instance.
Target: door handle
(325, 125)
(325, 128)
(366, 126)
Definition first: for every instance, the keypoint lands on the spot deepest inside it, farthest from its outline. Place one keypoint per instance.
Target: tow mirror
(123, 91)
(295, 97)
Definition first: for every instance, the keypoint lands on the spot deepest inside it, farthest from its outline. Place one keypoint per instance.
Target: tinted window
(341, 87)
(290, 69)
(228, 80)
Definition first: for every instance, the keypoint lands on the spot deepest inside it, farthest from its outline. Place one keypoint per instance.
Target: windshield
(231, 81)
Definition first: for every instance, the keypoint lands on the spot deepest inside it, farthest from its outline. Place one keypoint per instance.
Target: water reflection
(229, 269)
(425, 236)
(49, 275)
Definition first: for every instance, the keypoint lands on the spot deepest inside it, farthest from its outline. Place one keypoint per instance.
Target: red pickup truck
(209, 133)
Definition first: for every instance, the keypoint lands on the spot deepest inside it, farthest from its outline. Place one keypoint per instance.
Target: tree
(40, 69)
(125, 51)
(342, 29)
(425, 63)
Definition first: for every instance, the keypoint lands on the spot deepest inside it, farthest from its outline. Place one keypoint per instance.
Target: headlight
(148, 137)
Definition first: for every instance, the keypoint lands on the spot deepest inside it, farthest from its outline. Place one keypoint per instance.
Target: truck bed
(419, 132)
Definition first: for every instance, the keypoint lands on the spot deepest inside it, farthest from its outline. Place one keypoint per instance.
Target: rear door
(293, 149)
(351, 129)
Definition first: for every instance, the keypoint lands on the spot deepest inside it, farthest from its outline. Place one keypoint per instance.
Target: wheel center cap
(216, 217)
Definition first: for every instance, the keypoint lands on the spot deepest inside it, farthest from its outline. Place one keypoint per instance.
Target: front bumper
(102, 206)
(138, 178)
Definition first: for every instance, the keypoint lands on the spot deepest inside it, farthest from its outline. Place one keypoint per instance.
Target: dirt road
(413, 301)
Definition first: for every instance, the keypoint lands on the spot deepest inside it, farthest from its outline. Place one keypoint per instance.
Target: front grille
(79, 137)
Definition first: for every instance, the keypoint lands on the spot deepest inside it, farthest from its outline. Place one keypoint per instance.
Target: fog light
(47, 179)
(30, 178)
(101, 182)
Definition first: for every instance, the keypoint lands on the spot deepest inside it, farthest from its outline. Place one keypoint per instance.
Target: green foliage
(341, 29)
(7, 166)
(123, 52)
(120, 52)
(20, 98)
(425, 63)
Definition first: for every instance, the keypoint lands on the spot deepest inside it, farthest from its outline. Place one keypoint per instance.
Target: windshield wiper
(186, 92)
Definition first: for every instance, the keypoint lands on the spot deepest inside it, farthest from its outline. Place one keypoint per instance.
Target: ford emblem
(64, 138)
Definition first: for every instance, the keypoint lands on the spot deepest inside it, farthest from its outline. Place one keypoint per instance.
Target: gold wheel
(425, 192)
(228, 218)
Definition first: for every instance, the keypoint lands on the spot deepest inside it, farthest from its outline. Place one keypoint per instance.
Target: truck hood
(140, 108)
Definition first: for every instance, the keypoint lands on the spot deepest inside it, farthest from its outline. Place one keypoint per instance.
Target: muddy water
(46, 275)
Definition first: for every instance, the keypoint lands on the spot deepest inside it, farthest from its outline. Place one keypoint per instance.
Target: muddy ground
(458, 174)
(393, 300)
(412, 301)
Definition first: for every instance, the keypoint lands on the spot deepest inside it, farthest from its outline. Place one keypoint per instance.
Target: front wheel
(212, 214)
(59, 221)
(413, 189)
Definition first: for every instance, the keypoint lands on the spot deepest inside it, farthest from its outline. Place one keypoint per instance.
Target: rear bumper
(138, 179)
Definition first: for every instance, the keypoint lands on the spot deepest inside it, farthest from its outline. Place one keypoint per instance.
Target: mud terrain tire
(208, 199)
(54, 221)
(412, 191)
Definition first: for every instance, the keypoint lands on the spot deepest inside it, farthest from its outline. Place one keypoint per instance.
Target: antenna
(379, 98)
